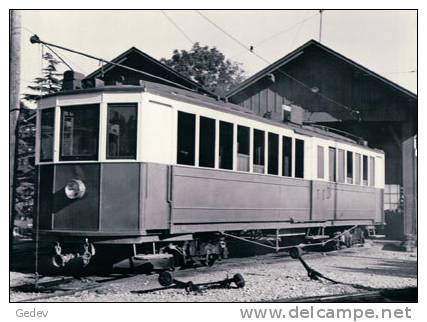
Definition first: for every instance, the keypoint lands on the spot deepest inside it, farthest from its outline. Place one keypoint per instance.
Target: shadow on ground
(386, 267)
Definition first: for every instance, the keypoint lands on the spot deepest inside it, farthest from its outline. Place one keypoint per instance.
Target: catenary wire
(177, 27)
(352, 111)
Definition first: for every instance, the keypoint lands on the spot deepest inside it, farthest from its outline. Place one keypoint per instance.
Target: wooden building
(151, 69)
(336, 92)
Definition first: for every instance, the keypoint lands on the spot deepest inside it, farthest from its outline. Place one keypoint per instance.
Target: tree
(25, 168)
(207, 66)
(25, 179)
(49, 82)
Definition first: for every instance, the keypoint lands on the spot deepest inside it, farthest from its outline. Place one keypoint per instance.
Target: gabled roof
(300, 50)
(122, 57)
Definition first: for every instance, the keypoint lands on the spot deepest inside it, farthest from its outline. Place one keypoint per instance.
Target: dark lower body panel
(144, 202)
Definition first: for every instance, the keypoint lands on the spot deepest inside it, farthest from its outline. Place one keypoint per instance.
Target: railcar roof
(217, 104)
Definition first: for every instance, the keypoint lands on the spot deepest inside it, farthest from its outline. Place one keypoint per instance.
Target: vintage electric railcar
(156, 164)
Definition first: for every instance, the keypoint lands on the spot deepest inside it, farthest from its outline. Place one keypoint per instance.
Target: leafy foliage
(25, 175)
(25, 169)
(207, 66)
(50, 81)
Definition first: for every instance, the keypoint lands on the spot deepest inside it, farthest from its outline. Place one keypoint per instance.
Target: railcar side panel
(119, 206)
(322, 200)
(355, 202)
(208, 200)
(154, 196)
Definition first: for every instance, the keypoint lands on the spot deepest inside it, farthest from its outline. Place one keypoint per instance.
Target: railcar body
(152, 163)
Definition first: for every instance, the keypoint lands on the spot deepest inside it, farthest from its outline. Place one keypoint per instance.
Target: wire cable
(309, 88)
(286, 30)
(177, 27)
(36, 264)
(73, 63)
(36, 39)
(57, 55)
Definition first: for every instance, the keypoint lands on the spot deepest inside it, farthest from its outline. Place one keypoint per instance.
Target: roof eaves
(279, 63)
(270, 68)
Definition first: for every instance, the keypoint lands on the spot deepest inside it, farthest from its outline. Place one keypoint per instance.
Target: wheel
(165, 278)
(295, 252)
(239, 280)
(191, 287)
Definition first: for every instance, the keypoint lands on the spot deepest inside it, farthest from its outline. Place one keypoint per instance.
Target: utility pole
(320, 26)
(14, 101)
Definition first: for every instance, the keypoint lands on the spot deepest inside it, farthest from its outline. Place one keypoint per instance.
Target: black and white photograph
(215, 156)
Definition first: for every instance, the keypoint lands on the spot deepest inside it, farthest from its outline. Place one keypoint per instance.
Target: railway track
(403, 295)
(68, 286)
(65, 287)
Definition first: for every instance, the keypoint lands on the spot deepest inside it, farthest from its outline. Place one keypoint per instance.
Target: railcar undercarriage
(205, 249)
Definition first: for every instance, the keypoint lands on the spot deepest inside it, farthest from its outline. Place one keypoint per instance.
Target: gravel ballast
(268, 278)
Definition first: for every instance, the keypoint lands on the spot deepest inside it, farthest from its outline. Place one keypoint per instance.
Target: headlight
(75, 189)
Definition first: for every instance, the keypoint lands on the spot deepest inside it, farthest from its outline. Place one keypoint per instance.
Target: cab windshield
(79, 132)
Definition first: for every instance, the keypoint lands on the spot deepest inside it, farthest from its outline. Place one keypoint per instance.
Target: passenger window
(207, 142)
(357, 172)
(47, 123)
(341, 165)
(349, 167)
(259, 147)
(320, 162)
(372, 174)
(121, 133)
(273, 153)
(365, 170)
(332, 164)
(225, 145)
(242, 148)
(186, 138)
(79, 132)
(299, 158)
(287, 157)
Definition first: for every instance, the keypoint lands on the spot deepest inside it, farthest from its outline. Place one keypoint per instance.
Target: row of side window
(186, 147)
(346, 166)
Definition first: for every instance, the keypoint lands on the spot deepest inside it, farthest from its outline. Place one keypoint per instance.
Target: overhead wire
(257, 44)
(287, 29)
(299, 29)
(177, 27)
(308, 87)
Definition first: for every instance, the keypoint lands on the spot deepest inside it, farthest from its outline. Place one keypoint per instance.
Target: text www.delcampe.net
(312, 312)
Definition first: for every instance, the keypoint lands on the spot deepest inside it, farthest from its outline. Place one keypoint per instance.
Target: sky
(384, 41)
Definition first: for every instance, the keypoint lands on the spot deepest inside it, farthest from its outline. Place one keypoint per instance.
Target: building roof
(184, 81)
(300, 50)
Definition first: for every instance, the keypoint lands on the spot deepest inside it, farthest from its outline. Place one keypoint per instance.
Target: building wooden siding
(331, 89)
(333, 78)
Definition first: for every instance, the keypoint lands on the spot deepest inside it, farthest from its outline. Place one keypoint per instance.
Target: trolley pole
(14, 107)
